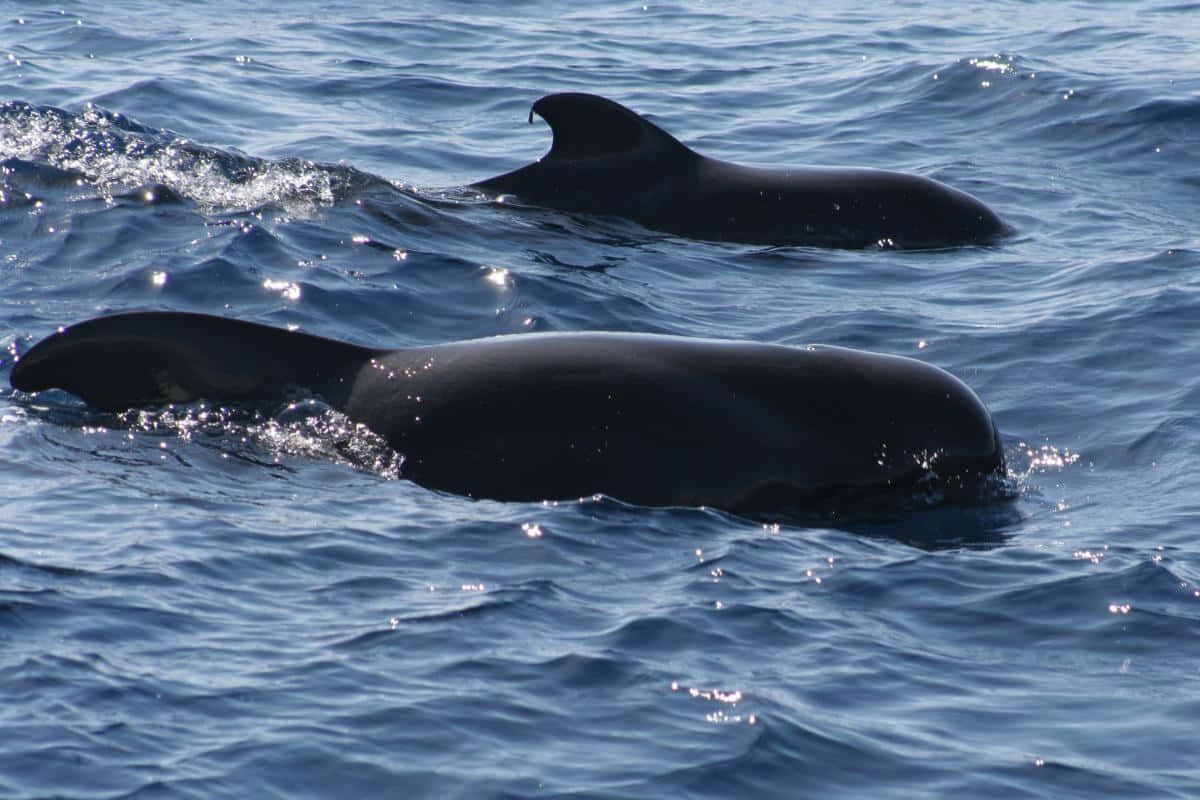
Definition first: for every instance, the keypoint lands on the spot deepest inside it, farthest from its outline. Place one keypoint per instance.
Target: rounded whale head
(661, 420)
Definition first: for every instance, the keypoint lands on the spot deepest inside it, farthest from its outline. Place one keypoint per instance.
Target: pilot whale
(648, 419)
(606, 159)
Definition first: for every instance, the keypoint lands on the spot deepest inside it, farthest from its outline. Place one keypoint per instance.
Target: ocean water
(199, 605)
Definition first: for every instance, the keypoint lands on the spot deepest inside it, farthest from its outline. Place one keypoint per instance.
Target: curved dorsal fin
(587, 126)
(155, 357)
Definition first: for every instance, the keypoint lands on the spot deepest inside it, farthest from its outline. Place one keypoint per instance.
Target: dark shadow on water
(985, 522)
(947, 527)
(982, 522)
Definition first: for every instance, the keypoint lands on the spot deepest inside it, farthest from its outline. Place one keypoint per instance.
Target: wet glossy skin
(654, 420)
(608, 160)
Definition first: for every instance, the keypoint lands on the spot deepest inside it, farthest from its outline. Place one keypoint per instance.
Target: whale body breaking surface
(608, 160)
(647, 419)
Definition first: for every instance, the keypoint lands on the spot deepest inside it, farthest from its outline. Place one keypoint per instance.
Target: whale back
(608, 160)
(667, 420)
(654, 420)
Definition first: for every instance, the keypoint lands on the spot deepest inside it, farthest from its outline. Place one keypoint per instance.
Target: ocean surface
(196, 604)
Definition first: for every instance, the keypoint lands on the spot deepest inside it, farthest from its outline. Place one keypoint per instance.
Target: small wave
(1123, 124)
(123, 158)
(1129, 610)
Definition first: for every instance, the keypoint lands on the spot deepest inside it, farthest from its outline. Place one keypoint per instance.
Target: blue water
(198, 605)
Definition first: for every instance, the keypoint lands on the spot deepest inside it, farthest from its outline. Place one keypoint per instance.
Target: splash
(1044, 458)
(114, 154)
(304, 429)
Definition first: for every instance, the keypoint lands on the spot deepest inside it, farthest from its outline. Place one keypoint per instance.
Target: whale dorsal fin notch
(590, 126)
